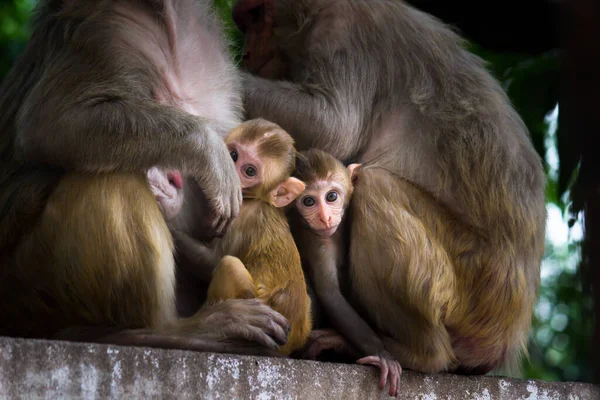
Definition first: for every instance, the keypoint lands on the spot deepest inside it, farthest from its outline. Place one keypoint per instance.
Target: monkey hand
(215, 173)
(389, 368)
(248, 319)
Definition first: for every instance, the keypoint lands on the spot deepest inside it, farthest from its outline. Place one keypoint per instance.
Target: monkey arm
(108, 131)
(194, 256)
(327, 119)
(324, 275)
(117, 128)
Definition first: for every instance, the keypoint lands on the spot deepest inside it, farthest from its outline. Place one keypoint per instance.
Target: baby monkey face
(322, 206)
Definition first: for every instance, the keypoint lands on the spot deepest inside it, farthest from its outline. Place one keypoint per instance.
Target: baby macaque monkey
(258, 256)
(318, 228)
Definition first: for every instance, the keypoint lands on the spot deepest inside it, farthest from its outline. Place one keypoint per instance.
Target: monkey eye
(234, 155)
(308, 201)
(250, 171)
(331, 197)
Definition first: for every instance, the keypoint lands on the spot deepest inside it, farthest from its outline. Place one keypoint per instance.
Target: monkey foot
(390, 368)
(327, 339)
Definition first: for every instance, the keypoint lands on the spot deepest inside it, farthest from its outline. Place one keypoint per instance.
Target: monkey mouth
(327, 231)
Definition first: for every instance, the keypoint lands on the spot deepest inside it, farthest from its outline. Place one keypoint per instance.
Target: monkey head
(264, 156)
(167, 187)
(269, 27)
(329, 186)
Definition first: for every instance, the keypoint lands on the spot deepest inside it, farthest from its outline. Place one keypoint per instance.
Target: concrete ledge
(46, 369)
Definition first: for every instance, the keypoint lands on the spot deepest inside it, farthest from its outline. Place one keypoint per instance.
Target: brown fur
(104, 91)
(260, 237)
(448, 217)
(325, 258)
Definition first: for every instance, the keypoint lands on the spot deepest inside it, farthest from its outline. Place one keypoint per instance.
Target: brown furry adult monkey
(318, 226)
(259, 256)
(104, 91)
(448, 220)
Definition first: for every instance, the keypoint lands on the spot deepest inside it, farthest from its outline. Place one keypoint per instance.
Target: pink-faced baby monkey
(318, 228)
(260, 258)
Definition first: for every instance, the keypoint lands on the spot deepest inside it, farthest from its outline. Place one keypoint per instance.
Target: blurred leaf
(533, 88)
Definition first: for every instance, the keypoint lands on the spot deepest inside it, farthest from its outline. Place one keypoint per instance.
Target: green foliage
(14, 30)
(559, 341)
(236, 37)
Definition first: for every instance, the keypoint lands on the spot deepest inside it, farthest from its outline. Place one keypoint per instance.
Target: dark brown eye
(331, 197)
(308, 201)
(234, 155)
(250, 171)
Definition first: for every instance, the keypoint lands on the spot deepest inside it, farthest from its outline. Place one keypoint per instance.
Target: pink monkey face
(322, 207)
(249, 167)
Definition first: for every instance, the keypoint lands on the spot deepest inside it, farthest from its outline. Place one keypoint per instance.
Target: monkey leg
(292, 302)
(401, 274)
(231, 280)
(321, 340)
(100, 255)
(98, 266)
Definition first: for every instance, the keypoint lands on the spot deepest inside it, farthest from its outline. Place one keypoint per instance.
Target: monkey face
(256, 18)
(249, 166)
(321, 206)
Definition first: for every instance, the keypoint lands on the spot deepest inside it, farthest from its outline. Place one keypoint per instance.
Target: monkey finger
(378, 362)
(275, 316)
(278, 334)
(272, 323)
(395, 373)
(220, 225)
(385, 371)
(259, 336)
(313, 351)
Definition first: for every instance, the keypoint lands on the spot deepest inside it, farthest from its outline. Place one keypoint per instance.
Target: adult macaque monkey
(318, 226)
(448, 221)
(104, 91)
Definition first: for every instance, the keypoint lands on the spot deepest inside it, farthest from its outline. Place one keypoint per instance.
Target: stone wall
(45, 369)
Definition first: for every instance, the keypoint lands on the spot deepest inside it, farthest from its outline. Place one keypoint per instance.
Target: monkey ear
(353, 170)
(286, 192)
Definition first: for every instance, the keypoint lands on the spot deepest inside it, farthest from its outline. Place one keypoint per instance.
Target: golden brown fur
(448, 216)
(260, 236)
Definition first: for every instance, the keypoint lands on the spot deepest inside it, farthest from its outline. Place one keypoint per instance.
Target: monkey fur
(319, 230)
(104, 91)
(447, 218)
(260, 256)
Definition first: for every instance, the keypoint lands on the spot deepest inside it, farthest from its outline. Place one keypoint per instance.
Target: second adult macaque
(259, 258)
(318, 226)
(447, 223)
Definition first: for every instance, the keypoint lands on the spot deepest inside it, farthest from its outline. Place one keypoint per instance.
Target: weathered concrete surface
(43, 369)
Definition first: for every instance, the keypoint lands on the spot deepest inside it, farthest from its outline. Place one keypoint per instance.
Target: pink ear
(353, 170)
(286, 192)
